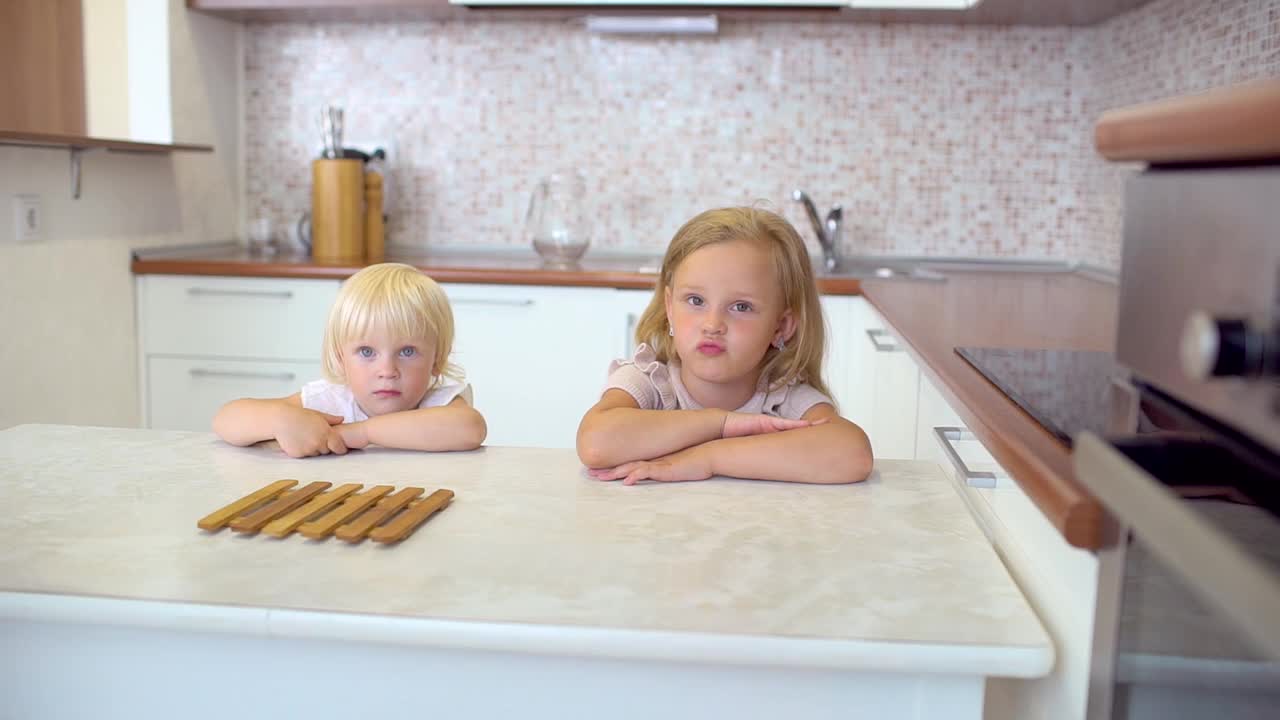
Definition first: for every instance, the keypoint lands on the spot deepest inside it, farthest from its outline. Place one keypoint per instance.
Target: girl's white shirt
(335, 399)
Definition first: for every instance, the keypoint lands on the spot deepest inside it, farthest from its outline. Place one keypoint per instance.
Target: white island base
(538, 594)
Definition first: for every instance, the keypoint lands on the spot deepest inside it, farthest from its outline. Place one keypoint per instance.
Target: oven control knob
(1213, 347)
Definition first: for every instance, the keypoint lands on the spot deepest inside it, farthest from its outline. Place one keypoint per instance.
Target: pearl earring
(671, 331)
(780, 344)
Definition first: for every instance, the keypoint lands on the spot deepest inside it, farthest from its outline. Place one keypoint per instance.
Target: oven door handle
(973, 478)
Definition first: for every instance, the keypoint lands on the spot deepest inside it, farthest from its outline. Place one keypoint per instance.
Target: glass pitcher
(556, 222)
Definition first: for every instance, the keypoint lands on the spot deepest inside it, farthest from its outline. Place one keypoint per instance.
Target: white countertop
(532, 556)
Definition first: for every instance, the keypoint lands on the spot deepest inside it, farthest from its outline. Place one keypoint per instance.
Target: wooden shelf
(54, 140)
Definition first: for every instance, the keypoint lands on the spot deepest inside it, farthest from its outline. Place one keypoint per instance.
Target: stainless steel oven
(1188, 616)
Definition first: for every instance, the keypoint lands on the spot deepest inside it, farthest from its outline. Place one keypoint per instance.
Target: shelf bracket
(76, 152)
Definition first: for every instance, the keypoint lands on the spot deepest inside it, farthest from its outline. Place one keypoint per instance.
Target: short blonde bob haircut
(802, 359)
(398, 299)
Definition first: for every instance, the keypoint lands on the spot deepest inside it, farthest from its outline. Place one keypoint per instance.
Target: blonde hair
(802, 359)
(399, 299)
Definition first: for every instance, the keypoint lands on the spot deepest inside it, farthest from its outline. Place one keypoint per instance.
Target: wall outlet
(28, 218)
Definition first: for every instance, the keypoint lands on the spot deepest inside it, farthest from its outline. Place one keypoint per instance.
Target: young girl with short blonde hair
(387, 377)
(727, 376)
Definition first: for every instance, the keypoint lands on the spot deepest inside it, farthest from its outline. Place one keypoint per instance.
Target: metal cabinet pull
(205, 372)
(983, 479)
(219, 292)
(630, 343)
(875, 334)
(492, 301)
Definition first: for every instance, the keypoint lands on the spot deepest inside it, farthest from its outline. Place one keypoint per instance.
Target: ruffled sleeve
(643, 378)
(448, 390)
(792, 401)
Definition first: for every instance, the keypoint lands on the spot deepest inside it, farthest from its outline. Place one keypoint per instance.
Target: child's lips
(710, 348)
(386, 393)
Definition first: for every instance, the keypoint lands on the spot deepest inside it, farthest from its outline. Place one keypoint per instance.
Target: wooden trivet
(317, 512)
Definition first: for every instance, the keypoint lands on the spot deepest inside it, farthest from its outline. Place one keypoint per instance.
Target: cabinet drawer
(260, 318)
(184, 393)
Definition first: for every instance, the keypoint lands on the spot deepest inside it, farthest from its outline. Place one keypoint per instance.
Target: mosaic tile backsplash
(937, 140)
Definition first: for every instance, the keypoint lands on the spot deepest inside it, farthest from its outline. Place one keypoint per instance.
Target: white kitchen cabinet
(203, 341)
(184, 393)
(882, 384)
(632, 304)
(1061, 581)
(536, 356)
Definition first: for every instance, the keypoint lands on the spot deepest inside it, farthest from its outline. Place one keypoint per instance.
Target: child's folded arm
(456, 426)
(249, 420)
(616, 430)
(833, 452)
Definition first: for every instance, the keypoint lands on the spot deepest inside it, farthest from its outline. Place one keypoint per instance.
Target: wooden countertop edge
(440, 273)
(1232, 123)
(1076, 514)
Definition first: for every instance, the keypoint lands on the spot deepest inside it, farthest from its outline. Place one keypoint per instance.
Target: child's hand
(689, 464)
(738, 424)
(354, 435)
(303, 433)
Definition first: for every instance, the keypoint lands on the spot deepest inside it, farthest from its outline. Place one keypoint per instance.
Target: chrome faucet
(828, 232)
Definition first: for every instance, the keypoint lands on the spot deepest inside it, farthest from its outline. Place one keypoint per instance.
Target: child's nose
(714, 322)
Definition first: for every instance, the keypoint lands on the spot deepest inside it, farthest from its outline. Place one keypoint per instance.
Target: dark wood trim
(60, 140)
(238, 264)
(1016, 310)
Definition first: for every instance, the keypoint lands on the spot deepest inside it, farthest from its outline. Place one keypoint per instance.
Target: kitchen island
(537, 593)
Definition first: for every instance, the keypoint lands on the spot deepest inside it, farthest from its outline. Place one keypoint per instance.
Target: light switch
(28, 218)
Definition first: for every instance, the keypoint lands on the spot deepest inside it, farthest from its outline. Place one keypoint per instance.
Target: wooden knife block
(337, 210)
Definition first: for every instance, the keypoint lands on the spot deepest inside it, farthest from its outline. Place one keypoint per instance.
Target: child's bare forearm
(452, 427)
(617, 435)
(248, 420)
(834, 452)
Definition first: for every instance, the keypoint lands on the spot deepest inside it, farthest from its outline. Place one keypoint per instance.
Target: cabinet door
(233, 317)
(836, 366)
(536, 357)
(184, 393)
(631, 304)
(891, 383)
(1060, 581)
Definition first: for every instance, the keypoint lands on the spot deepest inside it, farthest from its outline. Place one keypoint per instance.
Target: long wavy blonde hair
(397, 298)
(802, 358)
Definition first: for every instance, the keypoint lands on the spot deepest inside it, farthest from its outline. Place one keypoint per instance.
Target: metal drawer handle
(281, 294)
(630, 345)
(204, 372)
(948, 435)
(875, 334)
(490, 301)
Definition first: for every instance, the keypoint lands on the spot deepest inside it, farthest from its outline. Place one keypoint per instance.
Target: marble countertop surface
(99, 525)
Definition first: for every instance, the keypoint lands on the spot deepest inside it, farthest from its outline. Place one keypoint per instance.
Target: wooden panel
(1241, 122)
(1013, 310)
(42, 66)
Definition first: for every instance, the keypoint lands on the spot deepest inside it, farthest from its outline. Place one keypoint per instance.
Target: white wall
(67, 335)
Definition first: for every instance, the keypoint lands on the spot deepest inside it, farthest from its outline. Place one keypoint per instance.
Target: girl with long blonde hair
(727, 375)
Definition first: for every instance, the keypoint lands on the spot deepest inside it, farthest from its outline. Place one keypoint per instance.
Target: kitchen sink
(867, 268)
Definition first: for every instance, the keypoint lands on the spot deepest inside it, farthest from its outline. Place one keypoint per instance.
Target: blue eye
(364, 351)
(694, 300)
(742, 306)
(408, 352)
